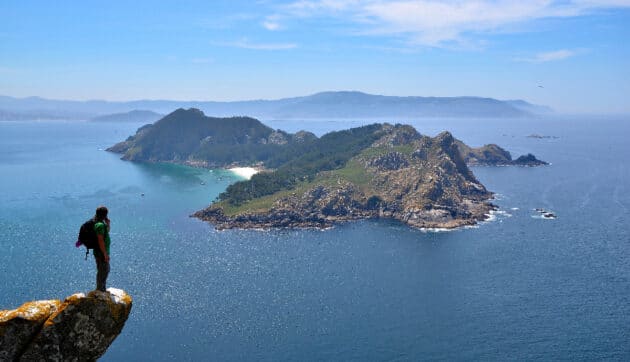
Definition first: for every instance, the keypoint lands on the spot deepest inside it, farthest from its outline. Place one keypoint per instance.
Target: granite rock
(80, 328)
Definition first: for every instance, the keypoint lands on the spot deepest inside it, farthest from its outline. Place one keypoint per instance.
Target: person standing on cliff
(101, 252)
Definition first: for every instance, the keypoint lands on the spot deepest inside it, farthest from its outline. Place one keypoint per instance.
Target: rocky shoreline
(292, 219)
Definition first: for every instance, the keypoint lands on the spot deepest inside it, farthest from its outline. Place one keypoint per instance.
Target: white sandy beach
(246, 172)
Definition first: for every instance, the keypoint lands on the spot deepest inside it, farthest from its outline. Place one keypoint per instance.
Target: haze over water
(519, 287)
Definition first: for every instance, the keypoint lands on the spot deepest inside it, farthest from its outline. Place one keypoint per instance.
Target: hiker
(101, 251)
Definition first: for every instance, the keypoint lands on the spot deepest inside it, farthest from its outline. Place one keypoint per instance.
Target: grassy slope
(353, 172)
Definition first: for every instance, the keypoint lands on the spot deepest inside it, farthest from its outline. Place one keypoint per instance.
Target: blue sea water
(516, 288)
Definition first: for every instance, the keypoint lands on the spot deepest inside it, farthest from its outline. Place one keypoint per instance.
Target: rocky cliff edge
(80, 328)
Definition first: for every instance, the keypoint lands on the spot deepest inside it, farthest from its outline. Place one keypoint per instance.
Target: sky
(572, 55)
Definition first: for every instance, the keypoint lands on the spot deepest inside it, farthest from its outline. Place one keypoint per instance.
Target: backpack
(87, 236)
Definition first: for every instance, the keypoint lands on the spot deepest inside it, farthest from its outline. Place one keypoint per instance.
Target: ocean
(518, 287)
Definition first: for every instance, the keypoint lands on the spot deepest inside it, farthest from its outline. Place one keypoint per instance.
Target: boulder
(80, 328)
(19, 326)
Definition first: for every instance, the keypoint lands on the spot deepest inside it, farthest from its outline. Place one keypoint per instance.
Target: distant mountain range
(342, 104)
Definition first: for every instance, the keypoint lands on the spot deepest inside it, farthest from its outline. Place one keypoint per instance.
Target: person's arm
(101, 246)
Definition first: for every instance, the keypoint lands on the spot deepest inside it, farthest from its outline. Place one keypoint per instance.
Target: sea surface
(519, 287)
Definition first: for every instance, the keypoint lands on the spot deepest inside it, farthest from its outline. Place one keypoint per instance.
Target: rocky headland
(418, 180)
(80, 328)
(493, 155)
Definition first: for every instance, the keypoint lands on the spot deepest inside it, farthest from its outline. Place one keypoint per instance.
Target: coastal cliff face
(80, 328)
(421, 181)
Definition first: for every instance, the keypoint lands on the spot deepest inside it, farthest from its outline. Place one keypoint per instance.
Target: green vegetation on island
(330, 152)
(188, 136)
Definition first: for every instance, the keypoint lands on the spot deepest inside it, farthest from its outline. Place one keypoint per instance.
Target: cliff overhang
(80, 328)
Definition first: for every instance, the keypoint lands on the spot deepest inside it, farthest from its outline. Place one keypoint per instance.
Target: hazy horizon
(569, 55)
(555, 112)
(193, 100)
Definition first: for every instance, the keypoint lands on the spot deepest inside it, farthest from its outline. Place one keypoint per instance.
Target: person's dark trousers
(102, 270)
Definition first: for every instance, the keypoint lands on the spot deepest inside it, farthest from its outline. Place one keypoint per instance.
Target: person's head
(101, 213)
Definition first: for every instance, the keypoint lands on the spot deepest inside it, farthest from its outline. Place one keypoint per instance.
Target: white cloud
(550, 56)
(602, 3)
(271, 25)
(246, 44)
(435, 23)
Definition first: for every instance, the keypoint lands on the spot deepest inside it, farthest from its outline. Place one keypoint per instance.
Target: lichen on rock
(80, 328)
(17, 326)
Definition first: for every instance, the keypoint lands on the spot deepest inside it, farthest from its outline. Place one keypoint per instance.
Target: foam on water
(497, 196)
(496, 215)
(436, 230)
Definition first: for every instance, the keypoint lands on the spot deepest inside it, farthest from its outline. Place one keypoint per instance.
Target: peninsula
(374, 171)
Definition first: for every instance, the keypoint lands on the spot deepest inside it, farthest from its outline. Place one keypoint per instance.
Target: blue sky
(578, 50)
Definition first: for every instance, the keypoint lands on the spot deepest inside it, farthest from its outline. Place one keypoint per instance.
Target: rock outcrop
(80, 328)
(493, 155)
(528, 160)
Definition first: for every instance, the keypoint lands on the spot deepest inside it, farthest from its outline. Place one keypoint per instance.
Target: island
(375, 171)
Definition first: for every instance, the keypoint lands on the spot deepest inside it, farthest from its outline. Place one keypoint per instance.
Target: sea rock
(494, 155)
(540, 137)
(528, 160)
(80, 328)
